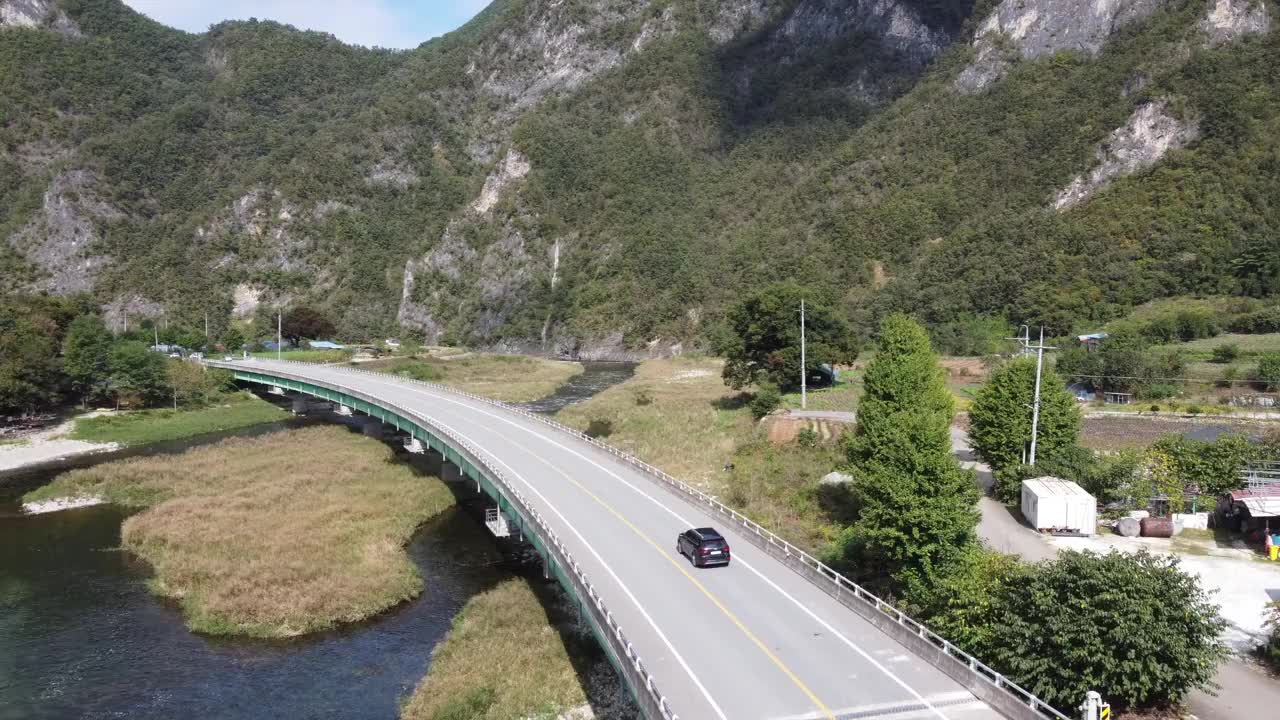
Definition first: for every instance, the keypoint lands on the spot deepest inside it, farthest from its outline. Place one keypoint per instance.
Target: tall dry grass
(502, 659)
(509, 378)
(675, 413)
(276, 536)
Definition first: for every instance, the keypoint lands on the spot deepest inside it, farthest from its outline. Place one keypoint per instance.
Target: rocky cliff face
(1148, 136)
(60, 240)
(36, 14)
(1028, 29)
(1229, 20)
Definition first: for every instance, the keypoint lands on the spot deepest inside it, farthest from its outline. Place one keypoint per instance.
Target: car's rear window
(713, 544)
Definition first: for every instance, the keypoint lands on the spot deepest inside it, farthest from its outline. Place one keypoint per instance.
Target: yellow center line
(710, 596)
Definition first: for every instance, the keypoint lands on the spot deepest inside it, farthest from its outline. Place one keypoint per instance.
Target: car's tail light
(726, 548)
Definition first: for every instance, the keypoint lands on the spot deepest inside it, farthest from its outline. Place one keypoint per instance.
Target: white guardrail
(761, 534)
(653, 703)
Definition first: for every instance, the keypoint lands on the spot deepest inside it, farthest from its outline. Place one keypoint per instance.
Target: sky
(382, 23)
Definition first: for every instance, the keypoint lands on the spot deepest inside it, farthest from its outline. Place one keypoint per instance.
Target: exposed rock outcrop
(1028, 29)
(1229, 20)
(36, 14)
(897, 25)
(1148, 136)
(512, 168)
(59, 239)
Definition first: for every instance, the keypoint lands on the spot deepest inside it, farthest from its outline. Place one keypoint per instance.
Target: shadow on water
(81, 636)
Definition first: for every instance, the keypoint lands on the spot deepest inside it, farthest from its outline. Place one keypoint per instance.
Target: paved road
(753, 640)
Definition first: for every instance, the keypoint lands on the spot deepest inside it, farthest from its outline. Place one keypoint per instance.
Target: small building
(1091, 340)
(1118, 398)
(1061, 507)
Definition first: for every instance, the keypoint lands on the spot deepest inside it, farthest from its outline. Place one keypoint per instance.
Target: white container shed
(1059, 506)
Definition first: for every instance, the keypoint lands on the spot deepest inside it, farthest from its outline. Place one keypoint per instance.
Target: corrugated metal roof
(1054, 487)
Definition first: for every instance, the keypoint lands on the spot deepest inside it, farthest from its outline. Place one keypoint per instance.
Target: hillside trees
(1000, 417)
(86, 354)
(914, 506)
(762, 342)
(1123, 362)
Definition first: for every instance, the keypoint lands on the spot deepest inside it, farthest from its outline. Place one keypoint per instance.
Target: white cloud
(384, 23)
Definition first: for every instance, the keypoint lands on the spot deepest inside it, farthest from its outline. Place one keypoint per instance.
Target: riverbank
(277, 536)
(47, 445)
(142, 427)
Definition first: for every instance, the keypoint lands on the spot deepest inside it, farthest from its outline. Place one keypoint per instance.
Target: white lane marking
(605, 565)
(858, 649)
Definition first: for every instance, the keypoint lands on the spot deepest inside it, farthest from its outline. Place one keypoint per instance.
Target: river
(81, 636)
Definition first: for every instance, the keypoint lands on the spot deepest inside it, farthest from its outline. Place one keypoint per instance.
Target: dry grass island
(278, 536)
(503, 658)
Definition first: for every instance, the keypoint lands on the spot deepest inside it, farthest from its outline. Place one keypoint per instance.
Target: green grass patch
(314, 356)
(147, 426)
(1248, 344)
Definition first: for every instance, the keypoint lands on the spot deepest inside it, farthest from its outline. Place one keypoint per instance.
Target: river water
(81, 636)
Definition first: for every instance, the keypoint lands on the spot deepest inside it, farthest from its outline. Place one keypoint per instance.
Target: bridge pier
(300, 405)
(275, 390)
(414, 445)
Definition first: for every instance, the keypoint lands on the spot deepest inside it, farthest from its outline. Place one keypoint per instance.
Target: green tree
(30, 373)
(762, 342)
(1269, 370)
(1133, 627)
(914, 507)
(86, 352)
(1000, 417)
(138, 376)
(305, 323)
(233, 339)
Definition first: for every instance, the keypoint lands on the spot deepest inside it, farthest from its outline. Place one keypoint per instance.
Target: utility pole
(1040, 347)
(206, 329)
(804, 375)
(156, 328)
(279, 333)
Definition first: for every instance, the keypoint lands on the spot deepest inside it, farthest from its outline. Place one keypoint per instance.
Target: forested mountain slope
(602, 176)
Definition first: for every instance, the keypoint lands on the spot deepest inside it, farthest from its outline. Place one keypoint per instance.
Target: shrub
(1194, 409)
(1270, 650)
(642, 396)
(1131, 626)
(1159, 391)
(807, 437)
(1225, 353)
(599, 428)
(1269, 370)
(765, 400)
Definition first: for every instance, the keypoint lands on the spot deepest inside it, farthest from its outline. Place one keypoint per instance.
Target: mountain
(601, 177)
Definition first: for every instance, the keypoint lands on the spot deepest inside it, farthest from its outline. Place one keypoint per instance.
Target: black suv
(703, 547)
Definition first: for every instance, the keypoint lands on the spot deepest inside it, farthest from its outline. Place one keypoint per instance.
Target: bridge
(775, 635)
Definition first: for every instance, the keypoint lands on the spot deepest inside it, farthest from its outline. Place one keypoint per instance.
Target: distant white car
(229, 357)
(175, 355)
